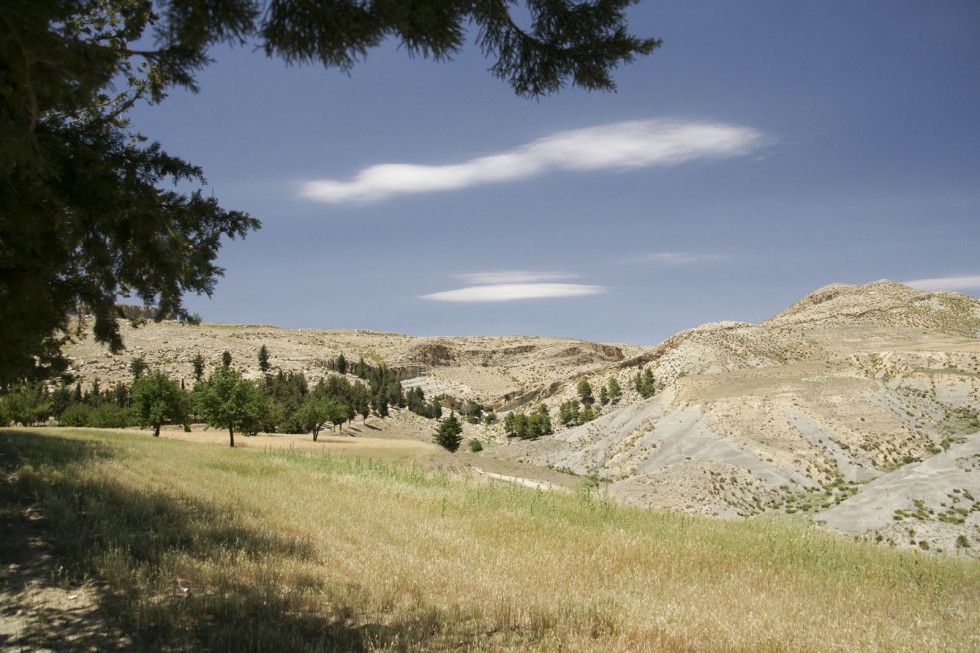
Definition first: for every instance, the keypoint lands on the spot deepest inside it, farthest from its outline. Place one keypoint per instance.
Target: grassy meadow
(288, 550)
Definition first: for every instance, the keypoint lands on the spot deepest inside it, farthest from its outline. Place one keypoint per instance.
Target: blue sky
(765, 150)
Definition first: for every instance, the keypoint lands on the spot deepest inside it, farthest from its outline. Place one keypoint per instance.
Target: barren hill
(856, 406)
(847, 397)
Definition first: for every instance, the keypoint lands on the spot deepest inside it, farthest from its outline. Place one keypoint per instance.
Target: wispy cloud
(515, 276)
(680, 258)
(617, 146)
(505, 292)
(955, 282)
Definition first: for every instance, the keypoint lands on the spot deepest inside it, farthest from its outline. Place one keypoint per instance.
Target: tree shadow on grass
(63, 528)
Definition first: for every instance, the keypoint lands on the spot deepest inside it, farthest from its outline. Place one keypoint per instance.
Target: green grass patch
(284, 550)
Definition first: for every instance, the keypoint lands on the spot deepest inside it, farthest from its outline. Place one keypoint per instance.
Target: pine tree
(101, 205)
(449, 433)
(615, 390)
(137, 367)
(198, 363)
(264, 366)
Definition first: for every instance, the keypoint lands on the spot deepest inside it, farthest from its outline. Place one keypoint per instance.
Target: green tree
(645, 383)
(603, 395)
(226, 359)
(27, 404)
(314, 414)
(568, 412)
(338, 411)
(510, 423)
(449, 433)
(342, 364)
(88, 208)
(521, 425)
(137, 366)
(228, 401)
(198, 363)
(585, 392)
(587, 414)
(264, 366)
(157, 399)
(474, 412)
(615, 390)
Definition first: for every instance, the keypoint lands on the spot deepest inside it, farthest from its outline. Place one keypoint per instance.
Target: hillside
(836, 408)
(851, 395)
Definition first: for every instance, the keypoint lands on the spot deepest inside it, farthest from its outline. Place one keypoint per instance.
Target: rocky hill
(856, 406)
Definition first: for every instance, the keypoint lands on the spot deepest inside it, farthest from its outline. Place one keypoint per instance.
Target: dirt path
(43, 607)
(526, 482)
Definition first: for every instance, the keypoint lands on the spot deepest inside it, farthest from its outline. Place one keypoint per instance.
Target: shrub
(110, 416)
(77, 415)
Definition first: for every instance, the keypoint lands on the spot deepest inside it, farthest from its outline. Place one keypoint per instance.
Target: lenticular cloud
(506, 292)
(956, 282)
(618, 146)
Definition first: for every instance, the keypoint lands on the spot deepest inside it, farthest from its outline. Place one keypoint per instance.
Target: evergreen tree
(137, 366)
(82, 188)
(510, 423)
(603, 395)
(615, 390)
(585, 392)
(95, 396)
(587, 414)
(60, 399)
(449, 433)
(568, 412)
(342, 364)
(198, 363)
(264, 366)
(521, 425)
(226, 359)
(644, 383)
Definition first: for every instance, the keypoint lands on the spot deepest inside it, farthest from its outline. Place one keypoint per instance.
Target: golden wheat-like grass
(283, 550)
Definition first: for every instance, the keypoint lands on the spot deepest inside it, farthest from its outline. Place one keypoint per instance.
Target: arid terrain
(856, 407)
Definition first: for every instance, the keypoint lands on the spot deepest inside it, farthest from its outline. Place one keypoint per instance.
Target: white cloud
(681, 258)
(505, 292)
(514, 276)
(617, 146)
(956, 282)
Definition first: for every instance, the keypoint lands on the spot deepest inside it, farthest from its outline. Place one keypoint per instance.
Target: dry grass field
(175, 545)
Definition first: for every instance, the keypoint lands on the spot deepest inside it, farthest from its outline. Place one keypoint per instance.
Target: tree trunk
(316, 432)
(156, 430)
(231, 435)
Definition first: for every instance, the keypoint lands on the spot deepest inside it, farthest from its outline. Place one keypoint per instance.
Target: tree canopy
(91, 211)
